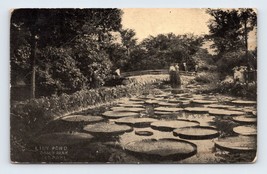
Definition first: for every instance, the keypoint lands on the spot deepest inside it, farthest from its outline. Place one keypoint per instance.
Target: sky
(156, 21)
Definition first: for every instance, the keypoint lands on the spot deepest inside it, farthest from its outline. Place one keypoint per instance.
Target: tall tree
(229, 28)
(32, 30)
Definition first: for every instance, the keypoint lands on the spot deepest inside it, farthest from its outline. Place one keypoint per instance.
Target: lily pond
(172, 126)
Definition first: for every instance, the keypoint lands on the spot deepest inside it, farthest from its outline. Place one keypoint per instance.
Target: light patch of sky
(146, 22)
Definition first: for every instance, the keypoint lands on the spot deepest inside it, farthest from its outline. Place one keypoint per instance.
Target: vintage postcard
(133, 86)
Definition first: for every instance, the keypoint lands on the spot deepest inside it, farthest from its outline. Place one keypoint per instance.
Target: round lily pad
(196, 133)
(167, 109)
(174, 101)
(137, 122)
(224, 112)
(170, 125)
(244, 102)
(144, 133)
(107, 129)
(197, 109)
(204, 101)
(168, 104)
(246, 130)
(237, 144)
(136, 99)
(162, 113)
(151, 101)
(81, 118)
(131, 105)
(245, 119)
(118, 114)
(162, 149)
(124, 109)
(219, 106)
(63, 138)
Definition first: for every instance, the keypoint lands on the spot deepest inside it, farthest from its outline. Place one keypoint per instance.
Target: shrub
(207, 77)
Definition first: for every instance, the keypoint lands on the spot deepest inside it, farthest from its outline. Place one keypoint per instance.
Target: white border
(5, 167)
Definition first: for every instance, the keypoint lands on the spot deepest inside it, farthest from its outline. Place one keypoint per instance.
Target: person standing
(196, 68)
(185, 67)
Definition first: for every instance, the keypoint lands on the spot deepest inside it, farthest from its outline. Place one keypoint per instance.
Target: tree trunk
(33, 83)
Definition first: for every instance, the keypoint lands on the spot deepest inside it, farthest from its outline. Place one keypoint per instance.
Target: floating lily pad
(246, 130)
(81, 118)
(136, 99)
(175, 101)
(196, 133)
(170, 125)
(132, 102)
(167, 109)
(204, 101)
(124, 109)
(223, 112)
(254, 113)
(118, 114)
(107, 129)
(218, 106)
(151, 101)
(131, 105)
(168, 104)
(237, 144)
(63, 138)
(144, 133)
(244, 102)
(137, 122)
(197, 109)
(163, 113)
(162, 149)
(245, 119)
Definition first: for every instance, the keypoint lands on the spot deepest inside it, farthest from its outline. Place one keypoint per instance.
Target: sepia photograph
(133, 85)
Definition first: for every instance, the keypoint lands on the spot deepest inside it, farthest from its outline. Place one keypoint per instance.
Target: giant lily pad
(136, 99)
(170, 125)
(204, 101)
(144, 133)
(162, 149)
(151, 101)
(244, 102)
(118, 114)
(107, 129)
(219, 106)
(167, 109)
(63, 138)
(137, 122)
(237, 144)
(197, 109)
(245, 119)
(246, 130)
(196, 133)
(166, 104)
(124, 109)
(81, 118)
(224, 112)
(131, 105)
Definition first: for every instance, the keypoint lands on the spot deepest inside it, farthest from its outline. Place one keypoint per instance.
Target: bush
(207, 77)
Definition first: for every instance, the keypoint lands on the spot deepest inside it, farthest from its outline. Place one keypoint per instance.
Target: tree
(128, 40)
(34, 30)
(229, 28)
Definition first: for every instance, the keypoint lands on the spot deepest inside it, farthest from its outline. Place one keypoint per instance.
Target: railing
(153, 72)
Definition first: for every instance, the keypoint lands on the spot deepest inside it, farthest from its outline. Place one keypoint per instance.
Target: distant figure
(196, 68)
(118, 72)
(175, 80)
(185, 67)
(239, 74)
(177, 67)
